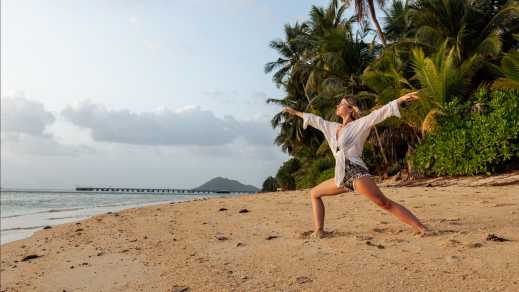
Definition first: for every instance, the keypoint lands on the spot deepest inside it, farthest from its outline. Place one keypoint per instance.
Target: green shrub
(326, 174)
(304, 182)
(315, 171)
(284, 177)
(478, 138)
(269, 185)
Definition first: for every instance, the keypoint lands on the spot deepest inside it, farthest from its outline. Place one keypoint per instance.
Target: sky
(139, 93)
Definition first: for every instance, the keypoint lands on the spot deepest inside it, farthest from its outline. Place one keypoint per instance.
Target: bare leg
(367, 187)
(326, 188)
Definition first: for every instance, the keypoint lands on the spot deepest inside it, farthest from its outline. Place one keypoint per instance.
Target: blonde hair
(355, 114)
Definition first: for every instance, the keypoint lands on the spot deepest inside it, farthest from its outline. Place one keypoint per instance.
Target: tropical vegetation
(461, 56)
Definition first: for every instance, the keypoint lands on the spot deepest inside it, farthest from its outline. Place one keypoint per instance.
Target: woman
(346, 141)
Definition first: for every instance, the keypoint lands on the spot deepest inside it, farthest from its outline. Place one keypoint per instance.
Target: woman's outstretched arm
(386, 111)
(310, 119)
(292, 112)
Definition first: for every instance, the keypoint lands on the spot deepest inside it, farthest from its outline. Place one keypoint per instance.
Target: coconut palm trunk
(374, 19)
(373, 16)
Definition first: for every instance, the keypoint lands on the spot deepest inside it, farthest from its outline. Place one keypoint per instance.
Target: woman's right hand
(289, 110)
(408, 97)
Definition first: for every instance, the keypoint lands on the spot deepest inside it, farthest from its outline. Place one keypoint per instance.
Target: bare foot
(321, 234)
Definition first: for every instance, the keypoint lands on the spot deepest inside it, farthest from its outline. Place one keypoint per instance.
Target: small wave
(42, 212)
(66, 217)
(61, 210)
(23, 228)
(130, 204)
(114, 205)
(12, 216)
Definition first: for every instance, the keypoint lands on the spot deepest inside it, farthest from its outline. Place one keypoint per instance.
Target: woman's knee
(314, 193)
(368, 188)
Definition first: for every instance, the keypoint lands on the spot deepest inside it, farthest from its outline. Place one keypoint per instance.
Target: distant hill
(224, 184)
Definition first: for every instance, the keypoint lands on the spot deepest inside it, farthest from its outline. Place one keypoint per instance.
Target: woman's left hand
(408, 97)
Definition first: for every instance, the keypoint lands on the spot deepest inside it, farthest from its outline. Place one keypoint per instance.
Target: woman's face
(343, 108)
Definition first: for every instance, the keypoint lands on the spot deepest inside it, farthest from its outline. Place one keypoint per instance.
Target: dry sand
(198, 246)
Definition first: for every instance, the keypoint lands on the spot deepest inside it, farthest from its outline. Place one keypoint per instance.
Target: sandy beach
(259, 243)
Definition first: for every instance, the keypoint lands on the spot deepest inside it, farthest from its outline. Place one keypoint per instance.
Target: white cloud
(186, 108)
(187, 126)
(27, 129)
(20, 115)
(177, 148)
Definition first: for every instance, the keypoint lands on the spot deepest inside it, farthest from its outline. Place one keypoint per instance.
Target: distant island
(225, 184)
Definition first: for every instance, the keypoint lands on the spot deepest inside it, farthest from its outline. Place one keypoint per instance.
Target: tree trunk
(373, 15)
(381, 148)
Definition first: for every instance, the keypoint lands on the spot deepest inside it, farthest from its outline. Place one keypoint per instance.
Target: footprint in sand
(474, 244)
(304, 235)
(451, 243)
(398, 240)
(445, 231)
(453, 221)
(503, 205)
(379, 246)
(387, 230)
(379, 230)
(363, 237)
(437, 232)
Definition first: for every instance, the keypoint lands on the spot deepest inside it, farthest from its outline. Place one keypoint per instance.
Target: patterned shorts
(352, 172)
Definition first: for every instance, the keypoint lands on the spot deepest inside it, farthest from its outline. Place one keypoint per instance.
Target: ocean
(23, 213)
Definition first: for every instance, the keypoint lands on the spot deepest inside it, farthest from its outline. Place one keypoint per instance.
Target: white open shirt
(352, 137)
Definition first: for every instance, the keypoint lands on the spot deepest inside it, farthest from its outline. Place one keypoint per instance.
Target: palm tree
(291, 75)
(291, 138)
(459, 43)
(442, 76)
(386, 75)
(360, 8)
(290, 51)
(327, 35)
(397, 21)
(485, 26)
(510, 71)
(444, 48)
(337, 59)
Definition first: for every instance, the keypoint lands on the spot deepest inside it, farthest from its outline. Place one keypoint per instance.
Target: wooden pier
(153, 191)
